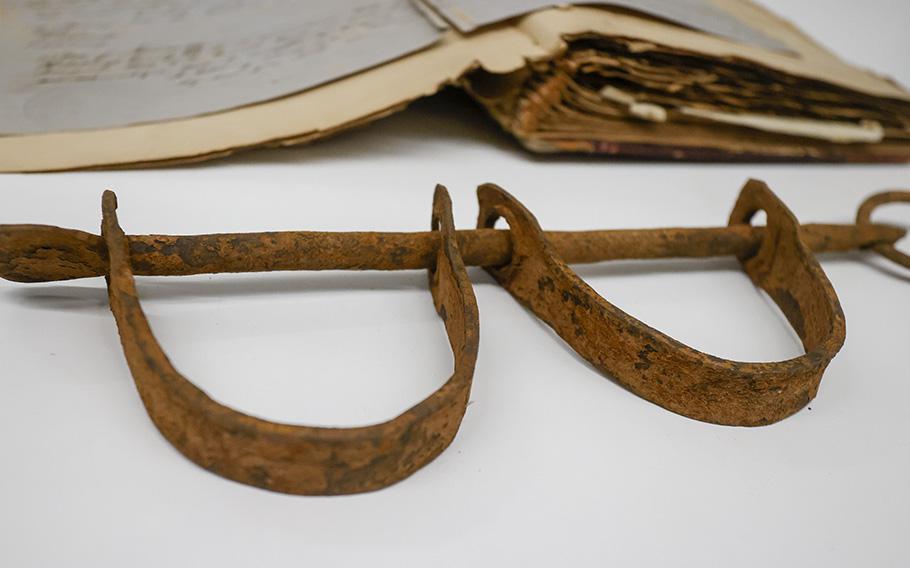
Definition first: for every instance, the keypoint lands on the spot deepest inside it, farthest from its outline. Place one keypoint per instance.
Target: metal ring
(864, 217)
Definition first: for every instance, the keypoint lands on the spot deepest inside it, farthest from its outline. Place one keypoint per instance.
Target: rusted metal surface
(299, 459)
(864, 219)
(530, 263)
(654, 365)
(40, 253)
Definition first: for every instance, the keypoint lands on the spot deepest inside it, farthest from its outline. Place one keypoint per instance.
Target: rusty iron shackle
(530, 263)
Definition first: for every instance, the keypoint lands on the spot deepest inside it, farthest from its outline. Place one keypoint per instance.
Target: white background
(554, 464)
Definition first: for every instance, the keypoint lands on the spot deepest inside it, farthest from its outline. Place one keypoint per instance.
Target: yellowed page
(549, 27)
(372, 93)
(284, 120)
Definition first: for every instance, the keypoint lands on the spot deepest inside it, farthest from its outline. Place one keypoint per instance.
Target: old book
(98, 83)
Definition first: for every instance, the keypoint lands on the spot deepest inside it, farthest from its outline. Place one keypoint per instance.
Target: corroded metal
(530, 263)
(659, 368)
(864, 216)
(300, 459)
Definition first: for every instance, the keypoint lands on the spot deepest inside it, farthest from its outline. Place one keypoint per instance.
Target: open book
(100, 83)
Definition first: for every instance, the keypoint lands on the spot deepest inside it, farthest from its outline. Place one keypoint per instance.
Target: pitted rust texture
(300, 459)
(530, 263)
(656, 366)
(41, 253)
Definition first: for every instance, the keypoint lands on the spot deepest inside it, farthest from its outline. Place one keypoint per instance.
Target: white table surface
(555, 465)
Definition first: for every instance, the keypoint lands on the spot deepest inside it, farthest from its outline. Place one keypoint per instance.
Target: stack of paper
(102, 83)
